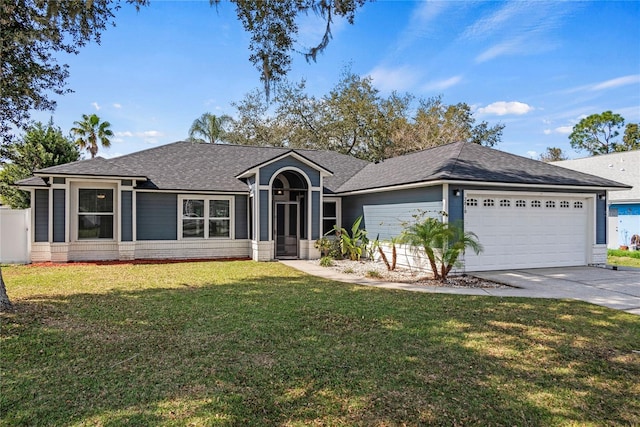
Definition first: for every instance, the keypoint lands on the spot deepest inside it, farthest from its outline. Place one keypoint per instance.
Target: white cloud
(421, 23)
(564, 129)
(505, 48)
(442, 84)
(388, 79)
(496, 21)
(617, 82)
(96, 106)
(548, 131)
(149, 136)
(502, 108)
(116, 105)
(607, 84)
(532, 154)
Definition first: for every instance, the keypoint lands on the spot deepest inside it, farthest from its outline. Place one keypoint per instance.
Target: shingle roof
(464, 161)
(92, 167)
(190, 166)
(203, 167)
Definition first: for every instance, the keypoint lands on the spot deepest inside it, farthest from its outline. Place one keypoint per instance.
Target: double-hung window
(95, 213)
(206, 217)
(329, 215)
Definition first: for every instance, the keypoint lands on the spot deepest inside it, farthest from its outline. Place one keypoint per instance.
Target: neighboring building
(623, 206)
(186, 200)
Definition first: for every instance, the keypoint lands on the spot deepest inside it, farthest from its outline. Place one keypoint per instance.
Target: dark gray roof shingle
(464, 161)
(203, 167)
(186, 166)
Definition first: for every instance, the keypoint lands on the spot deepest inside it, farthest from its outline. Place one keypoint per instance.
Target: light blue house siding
(41, 216)
(628, 221)
(385, 213)
(240, 218)
(315, 215)
(267, 171)
(264, 215)
(58, 215)
(157, 216)
(127, 216)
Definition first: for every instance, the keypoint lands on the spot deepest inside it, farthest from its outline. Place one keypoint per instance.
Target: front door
(286, 229)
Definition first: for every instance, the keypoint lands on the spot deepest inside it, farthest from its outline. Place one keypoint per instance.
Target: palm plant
(352, 245)
(442, 243)
(89, 131)
(208, 128)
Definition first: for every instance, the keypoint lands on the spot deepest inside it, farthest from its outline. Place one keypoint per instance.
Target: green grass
(623, 258)
(245, 343)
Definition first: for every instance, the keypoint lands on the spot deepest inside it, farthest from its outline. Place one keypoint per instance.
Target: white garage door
(520, 231)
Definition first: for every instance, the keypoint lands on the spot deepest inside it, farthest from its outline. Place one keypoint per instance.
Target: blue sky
(536, 67)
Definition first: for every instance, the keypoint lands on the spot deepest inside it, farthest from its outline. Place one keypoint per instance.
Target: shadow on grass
(273, 350)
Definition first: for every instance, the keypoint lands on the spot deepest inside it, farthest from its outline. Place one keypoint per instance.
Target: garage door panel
(526, 232)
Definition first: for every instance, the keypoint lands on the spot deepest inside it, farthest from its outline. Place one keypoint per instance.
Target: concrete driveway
(618, 289)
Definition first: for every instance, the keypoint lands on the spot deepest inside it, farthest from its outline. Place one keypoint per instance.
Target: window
(521, 204)
(504, 203)
(536, 204)
(95, 213)
(329, 216)
(219, 219)
(488, 202)
(550, 204)
(564, 204)
(472, 202)
(206, 217)
(577, 205)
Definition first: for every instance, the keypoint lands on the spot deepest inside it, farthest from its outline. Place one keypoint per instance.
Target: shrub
(353, 244)
(326, 261)
(374, 274)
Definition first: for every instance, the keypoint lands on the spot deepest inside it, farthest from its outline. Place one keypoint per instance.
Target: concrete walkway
(619, 289)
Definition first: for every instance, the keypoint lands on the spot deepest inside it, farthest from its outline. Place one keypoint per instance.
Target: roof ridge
(452, 162)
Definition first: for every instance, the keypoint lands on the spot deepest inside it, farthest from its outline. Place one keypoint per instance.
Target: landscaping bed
(379, 271)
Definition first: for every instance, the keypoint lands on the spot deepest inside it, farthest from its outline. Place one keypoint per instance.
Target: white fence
(14, 236)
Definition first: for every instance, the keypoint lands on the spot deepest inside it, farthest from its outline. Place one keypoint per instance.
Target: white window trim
(207, 199)
(88, 185)
(338, 202)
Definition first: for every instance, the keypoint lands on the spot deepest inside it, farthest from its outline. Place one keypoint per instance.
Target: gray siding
(456, 207)
(601, 221)
(58, 215)
(127, 216)
(388, 221)
(41, 216)
(264, 215)
(315, 215)
(241, 227)
(157, 216)
(267, 171)
(352, 206)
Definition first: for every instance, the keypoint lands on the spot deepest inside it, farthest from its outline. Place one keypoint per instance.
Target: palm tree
(208, 128)
(89, 131)
(442, 243)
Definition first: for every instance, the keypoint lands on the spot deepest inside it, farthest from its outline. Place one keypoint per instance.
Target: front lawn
(623, 258)
(244, 343)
